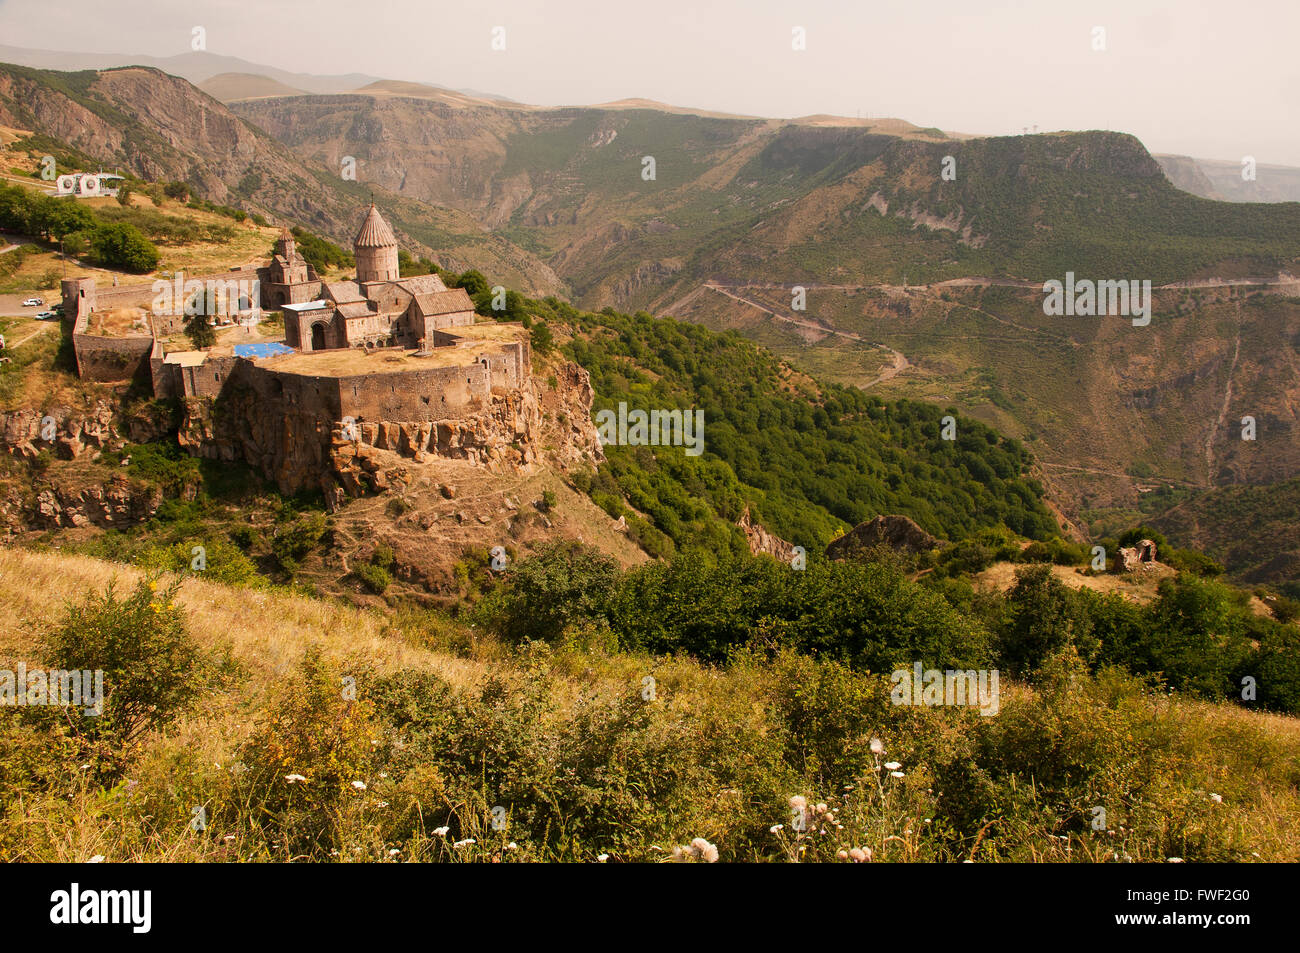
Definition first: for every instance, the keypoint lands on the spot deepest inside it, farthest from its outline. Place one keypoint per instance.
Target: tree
(1045, 617)
(121, 245)
(199, 331)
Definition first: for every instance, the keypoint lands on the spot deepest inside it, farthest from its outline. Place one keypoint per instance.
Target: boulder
(898, 533)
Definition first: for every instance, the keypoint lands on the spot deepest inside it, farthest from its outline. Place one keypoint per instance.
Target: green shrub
(375, 578)
(141, 643)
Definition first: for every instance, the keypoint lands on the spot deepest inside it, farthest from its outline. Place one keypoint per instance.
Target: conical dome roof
(374, 232)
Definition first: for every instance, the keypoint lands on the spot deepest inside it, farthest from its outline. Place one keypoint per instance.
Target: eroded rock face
(762, 541)
(120, 502)
(24, 432)
(894, 532)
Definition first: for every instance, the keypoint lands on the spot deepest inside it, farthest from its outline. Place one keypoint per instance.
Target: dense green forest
(808, 459)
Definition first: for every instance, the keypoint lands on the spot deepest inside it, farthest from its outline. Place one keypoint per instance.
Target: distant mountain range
(917, 283)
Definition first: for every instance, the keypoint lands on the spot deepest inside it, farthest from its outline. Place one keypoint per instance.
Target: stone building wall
(434, 394)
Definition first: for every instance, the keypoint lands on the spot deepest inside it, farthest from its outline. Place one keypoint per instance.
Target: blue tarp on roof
(262, 349)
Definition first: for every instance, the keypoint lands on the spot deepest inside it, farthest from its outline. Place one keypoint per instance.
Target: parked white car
(46, 316)
(33, 303)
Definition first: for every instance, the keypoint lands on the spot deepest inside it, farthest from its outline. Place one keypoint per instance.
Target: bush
(375, 578)
(561, 584)
(142, 645)
(292, 543)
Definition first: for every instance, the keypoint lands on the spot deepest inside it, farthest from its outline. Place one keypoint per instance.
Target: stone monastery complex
(377, 362)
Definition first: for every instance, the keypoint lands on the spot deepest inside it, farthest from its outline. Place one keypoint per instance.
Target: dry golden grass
(267, 631)
(1138, 586)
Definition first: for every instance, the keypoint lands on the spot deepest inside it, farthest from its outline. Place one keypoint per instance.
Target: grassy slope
(1250, 759)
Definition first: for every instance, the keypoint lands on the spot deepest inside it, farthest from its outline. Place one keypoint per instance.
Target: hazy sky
(1211, 78)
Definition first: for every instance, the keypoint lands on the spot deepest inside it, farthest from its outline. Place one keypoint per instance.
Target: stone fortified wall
(99, 358)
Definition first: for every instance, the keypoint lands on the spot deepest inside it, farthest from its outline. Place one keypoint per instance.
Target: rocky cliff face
(119, 502)
(761, 541)
(69, 432)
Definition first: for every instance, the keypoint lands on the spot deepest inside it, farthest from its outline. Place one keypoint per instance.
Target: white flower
(877, 746)
(1174, 860)
(394, 852)
(294, 778)
(229, 837)
(97, 859)
(602, 857)
(464, 843)
(860, 855)
(776, 828)
(892, 765)
(441, 831)
(704, 850)
(896, 774)
(1216, 798)
(798, 802)
(842, 854)
(359, 785)
(512, 846)
(381, 804)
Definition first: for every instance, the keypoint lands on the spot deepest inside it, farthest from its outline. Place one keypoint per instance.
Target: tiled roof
(443, 302)
(374, 232)
(342, 292)
(355, 309)
(422, 284)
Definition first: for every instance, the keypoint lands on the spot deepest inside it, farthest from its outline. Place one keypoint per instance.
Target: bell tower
(375, 248)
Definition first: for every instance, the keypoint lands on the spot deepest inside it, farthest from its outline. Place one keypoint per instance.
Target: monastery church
(377, 309)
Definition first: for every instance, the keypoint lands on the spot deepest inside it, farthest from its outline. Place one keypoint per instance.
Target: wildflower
(892, 765)
(821, 808)
(464, 843)
(860, 855)
(602, 857)
(896, 774)
(97, 859)
(394, 852)
(382, 804)
(294, 778)
(842, 854)
(798, 802)
(877, 746)
(441, 831)
(1216, 798)
(1174, 860)
(359, 785)
(776, 828)
(512, 846)
(228, 837)
(708, 852)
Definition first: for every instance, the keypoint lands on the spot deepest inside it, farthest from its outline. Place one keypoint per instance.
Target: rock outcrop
(69, 433)
(120, 502)
(898, 533)
(761, 541)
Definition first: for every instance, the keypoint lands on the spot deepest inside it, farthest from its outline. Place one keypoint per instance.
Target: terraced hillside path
(900, 361)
